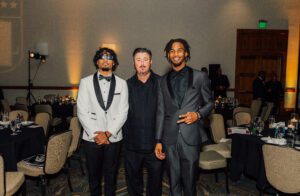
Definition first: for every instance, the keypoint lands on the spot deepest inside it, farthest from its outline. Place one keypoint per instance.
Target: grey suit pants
(182, 166)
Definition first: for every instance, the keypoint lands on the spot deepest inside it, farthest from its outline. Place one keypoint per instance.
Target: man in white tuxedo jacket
(102, 110)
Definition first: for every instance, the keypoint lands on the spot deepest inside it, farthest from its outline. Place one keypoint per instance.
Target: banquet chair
(55, 158)
(217, 130)
(10, 182)
(255, 108)
(5, 107)
(13, 114)
(43, 119)
(282, 168)
(242, 118)
(213, 161)
(49, 97)
(266, 110)
(73, 152)
(231, 123)
(54, 122)
(21, 100)
(69, 118)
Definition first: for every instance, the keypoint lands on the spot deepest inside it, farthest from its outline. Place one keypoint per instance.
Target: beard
(105, 68)
(176, 64)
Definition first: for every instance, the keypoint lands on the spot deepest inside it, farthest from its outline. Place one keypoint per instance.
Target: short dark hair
(138, 50)
(102, 51)
(184, 43)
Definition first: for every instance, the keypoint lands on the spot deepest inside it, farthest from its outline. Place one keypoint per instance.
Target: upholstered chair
(242, 118)
(13, 114)
(55, 157)
(43, 119)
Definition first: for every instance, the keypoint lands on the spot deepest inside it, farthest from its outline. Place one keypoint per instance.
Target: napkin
(34, 126)
(278, 141)
(239, 130)
(278, 124)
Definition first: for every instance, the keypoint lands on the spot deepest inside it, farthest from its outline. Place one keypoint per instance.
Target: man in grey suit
(183, 102)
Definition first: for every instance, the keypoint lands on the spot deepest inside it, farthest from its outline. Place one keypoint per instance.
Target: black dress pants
(102, 160)
(134, 162)
(182, 166)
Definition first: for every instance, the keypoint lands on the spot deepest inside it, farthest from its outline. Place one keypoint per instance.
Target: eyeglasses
(107, 57)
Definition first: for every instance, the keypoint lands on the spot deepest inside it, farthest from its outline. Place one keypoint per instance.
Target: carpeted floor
(206, 185)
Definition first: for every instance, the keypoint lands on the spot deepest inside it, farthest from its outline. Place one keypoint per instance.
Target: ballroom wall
(74, 29)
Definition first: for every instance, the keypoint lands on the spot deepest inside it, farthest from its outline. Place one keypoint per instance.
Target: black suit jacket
(197, 98)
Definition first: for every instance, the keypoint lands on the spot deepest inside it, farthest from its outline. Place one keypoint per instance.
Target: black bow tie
(107, 78)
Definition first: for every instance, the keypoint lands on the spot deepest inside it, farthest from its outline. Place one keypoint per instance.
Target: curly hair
(101, 52)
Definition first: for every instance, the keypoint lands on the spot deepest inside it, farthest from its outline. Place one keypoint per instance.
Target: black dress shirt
(139, 129)
(179, 83)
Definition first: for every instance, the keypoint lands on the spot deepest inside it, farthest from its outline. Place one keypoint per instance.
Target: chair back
(266, 110)
(2, 176)
(255, 107)
(49, 97)
(21, 100)
(217, 127)
(242, 118)
(57, 151)
(75, 127)
(43, 119)
(282, 168)
(75, 110)
(13, 114)
(43, 108)
(5, 105)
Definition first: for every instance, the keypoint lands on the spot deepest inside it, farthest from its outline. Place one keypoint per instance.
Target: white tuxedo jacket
(94, 118)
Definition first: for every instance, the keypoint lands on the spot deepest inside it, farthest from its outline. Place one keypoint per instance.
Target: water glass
(13, 128)
(290, 138)
(260, 127)
(271, 121)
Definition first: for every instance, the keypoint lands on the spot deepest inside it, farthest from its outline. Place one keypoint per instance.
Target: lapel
(171, 92)
(170, 89)
(99, 94)
(190, 84)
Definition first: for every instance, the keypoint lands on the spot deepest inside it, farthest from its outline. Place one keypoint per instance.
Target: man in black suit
(259, 86)
(184, 101)
(139, 129)
(220, 84)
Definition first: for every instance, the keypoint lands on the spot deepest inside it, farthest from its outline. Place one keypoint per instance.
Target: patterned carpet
(206, 185)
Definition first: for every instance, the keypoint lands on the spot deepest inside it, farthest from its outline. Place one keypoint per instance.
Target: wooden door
(258, 50)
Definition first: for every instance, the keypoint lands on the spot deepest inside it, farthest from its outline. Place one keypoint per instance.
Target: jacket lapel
(99, 94)
(98, 91)
(190, 84)
(111, 91)
(171, 92)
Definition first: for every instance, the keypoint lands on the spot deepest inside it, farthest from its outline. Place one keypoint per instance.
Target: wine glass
(260, 127)
(271, 121)
(13, 128)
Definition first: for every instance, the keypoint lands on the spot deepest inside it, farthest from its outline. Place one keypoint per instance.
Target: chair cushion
(211, 160)
(14, 181)
(55, 121)
(222, 148)
(29, 170)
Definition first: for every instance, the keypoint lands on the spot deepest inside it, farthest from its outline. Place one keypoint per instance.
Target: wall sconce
(111, 46)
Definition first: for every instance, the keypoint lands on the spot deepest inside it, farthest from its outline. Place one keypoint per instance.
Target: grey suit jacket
(196, 99)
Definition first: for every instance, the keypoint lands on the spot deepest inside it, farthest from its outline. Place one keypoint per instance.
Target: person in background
(184, 100)
(259, 86)
(102, 107)
(139, 129)
(275, 93)
(220, 84)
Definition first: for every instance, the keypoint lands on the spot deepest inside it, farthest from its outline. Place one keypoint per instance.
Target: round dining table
(27, 143)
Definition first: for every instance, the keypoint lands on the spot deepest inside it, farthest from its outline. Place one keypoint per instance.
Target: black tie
(107, 78)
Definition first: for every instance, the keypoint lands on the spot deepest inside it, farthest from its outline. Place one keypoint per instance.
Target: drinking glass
(260, 128)
(18, 127)
(13, 128)
(271, 121)
(294, 119)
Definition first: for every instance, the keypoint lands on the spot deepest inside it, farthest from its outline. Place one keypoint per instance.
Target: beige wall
(75, 28)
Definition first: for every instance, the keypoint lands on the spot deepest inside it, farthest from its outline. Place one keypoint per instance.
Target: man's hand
(189, 118)
(158, 152)
(101, 138)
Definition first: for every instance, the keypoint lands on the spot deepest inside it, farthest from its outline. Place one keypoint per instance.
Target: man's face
(142, 63)
(105, 63)
(177, 54)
